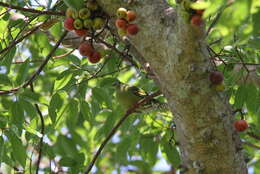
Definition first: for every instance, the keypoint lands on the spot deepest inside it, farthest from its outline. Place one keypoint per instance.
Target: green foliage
(77, 99)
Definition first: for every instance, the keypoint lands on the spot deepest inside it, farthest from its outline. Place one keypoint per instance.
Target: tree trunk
(178, 56)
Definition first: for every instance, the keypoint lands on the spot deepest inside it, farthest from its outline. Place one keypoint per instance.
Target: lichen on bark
(178, 56)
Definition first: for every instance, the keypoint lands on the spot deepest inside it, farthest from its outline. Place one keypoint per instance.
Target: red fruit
(131, 15)
(81, 32)
(68, 24)
(86, 49)
(121, 23)
(200, 12)
(196, 20)
(95, 57)
(240, 125)
(216, 77)
(132, 29)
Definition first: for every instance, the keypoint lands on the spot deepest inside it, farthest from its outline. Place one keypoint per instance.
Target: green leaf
(85, 111)
(74, 4)
(18, 150)
(72, 113)
(68, 162)
(29, 108)
(240, 97)
(171, 153)
(5, 80)
(102, 96)
(30, 96)
(17, 114)
(252, 98)
(66, 147)
(7, 60)
(200, 5)
(57, 101)
(22, 72)
(1, 149)
(62, 80)
(149, 148)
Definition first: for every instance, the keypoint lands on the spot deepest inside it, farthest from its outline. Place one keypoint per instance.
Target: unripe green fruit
(92, 5)
(78, 24)
(84, 13)
(88, 23)
(121, 13)
(121, 32)
(98, 23)
(220, 87)
(69, 12)
(75, 14)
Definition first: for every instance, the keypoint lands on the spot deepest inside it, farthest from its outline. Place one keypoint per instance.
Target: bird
(127, 96)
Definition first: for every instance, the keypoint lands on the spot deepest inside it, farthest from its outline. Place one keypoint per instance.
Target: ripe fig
(86, 49)
(200, 12)
(69, 23)
(196, 20)
(131, 15)
(121, 23)
(81, 32)
(216, 77)
(95, 57)
(132, 29)
(240, 125)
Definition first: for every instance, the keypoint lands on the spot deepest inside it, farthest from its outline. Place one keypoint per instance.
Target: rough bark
(177, 54)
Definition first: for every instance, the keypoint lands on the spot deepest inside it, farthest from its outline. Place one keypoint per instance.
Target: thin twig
(40, 60)
(251, 145)
(253, 135)
(19, 40)
(119, 123)
(32, 10)
(39, 70)
(42, 133)
(217, 17)
(124, 56)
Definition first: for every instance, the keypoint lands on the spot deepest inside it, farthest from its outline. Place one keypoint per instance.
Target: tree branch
(32, 10)
(253, 135)
(119, 123)
(42, 132)
(251, 145)
(39, 70)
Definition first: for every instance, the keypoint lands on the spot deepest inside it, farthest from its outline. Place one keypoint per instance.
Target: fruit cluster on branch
(123, 24)
(86, 21)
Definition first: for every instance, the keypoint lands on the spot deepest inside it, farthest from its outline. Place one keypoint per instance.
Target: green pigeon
(127, 96)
